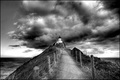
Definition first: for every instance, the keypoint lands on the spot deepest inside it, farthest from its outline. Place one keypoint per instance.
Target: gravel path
(67, 68)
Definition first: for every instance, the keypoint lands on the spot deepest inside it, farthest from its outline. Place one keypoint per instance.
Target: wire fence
(48, 69)
(77, 55)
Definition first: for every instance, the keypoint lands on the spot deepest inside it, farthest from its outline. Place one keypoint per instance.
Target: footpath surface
(67, 68)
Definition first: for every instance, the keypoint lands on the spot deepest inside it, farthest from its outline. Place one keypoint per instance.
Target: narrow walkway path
(67, 68)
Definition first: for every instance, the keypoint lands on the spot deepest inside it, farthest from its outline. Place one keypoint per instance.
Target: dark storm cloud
(109, 29)
(110, 33)
(81, 11)
(14, 45)
(38, 44)
(77, 8)
(110, 40)
(63, 8)
(73, 22)
(43, 31)
(29, 36)
(112, 5)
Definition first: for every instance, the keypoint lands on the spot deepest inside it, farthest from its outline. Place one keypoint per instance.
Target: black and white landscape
(30, 27)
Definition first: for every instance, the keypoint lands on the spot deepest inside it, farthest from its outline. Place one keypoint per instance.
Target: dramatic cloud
(38, 7)
(40, 32)
(74, 21)
(109, 28)
(106, 49)
(112, 5)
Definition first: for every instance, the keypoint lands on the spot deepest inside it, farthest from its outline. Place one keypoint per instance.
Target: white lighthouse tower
(60, 42)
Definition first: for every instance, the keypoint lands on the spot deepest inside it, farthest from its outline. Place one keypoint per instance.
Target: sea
(9, 65)
(111, 59)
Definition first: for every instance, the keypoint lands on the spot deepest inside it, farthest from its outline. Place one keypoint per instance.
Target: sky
(28, 27)
(9, 15)
(8, 12)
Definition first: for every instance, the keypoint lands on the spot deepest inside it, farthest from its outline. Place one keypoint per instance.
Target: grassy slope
(26, 70)
(103, 69)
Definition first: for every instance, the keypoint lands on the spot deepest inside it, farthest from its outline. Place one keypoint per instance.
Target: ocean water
(111, 59)
(9, 65)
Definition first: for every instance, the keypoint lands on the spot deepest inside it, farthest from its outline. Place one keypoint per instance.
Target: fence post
(71, 52)
(93, 69)
(80, 55)
(54, 59)
(76, 55)
(49, 65)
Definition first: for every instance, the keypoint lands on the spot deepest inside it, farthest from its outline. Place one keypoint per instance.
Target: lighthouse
(60, 42)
